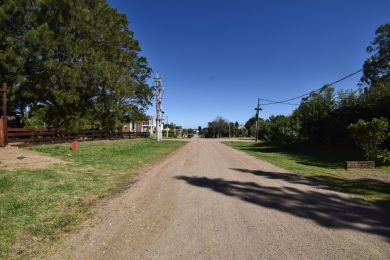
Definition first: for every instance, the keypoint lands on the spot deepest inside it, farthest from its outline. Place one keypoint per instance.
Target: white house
(148, 125)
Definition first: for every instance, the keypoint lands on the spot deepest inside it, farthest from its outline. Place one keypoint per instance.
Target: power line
(313, 91)
(273, 101)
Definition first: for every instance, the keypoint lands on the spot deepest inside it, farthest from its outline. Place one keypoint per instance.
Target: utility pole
(257, 117)
(159, 92)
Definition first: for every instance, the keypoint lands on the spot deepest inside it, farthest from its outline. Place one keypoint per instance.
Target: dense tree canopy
(328, 117)
(377, 67)
(72, 64)
(314, 113)
(220, 127)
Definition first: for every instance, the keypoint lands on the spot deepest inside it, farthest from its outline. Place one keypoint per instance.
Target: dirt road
(208, 201)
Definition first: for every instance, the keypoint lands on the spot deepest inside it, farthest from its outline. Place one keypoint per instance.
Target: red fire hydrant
(75, 145)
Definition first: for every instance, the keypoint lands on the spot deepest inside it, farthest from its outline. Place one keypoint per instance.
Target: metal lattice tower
(159, 89)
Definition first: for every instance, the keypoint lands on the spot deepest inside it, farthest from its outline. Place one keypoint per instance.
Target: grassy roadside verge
(325, 165)
(37, 206)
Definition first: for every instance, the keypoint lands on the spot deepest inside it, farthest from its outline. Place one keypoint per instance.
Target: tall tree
(377, 67)
(79, 62)
(376, 75)
(314, 113)
(15, 21)
(218, 127)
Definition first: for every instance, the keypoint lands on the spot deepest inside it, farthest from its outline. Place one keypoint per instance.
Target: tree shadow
(362, 186)
(327, 210)
(264, 147)
(331, 157)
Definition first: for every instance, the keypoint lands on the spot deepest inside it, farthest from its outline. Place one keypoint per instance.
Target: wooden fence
(31, 136)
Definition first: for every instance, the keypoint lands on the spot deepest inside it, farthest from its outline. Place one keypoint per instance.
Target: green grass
(325, 164)
(37, 206)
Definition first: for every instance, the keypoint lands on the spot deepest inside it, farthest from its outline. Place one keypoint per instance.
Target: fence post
(1, 133)
(3, 91)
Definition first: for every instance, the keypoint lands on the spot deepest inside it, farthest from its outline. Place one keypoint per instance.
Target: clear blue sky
(217, 57)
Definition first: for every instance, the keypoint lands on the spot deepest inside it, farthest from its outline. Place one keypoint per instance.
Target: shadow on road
(331, 157)
(326, 209)
(363, 186)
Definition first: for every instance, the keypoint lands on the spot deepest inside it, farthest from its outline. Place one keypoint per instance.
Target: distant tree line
(174, 130)
(221, 127)
(72, 64)
(346, 117)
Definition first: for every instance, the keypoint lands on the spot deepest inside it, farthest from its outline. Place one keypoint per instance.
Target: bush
(171, 134)
(284, 130)
(368, 135)
(381, 157)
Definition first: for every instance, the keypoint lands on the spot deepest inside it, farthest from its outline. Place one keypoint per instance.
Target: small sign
(359, 164)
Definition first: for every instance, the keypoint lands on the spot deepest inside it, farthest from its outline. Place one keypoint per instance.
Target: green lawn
(37, 206)
(325, 164)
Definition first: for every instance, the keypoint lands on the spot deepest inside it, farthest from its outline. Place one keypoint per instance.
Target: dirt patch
(15, 158)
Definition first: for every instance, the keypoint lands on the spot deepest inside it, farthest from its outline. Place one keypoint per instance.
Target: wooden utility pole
(3, 128)
(257, 117)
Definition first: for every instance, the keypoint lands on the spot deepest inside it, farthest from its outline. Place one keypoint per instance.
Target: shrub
(284, 129)
(368, 135)
(381, 157)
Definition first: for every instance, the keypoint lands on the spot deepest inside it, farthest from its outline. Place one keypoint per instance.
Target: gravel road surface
(209, 201)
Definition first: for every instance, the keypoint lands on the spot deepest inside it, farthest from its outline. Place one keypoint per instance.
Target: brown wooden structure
(33, 136)
(359, 164)
(4, 117)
